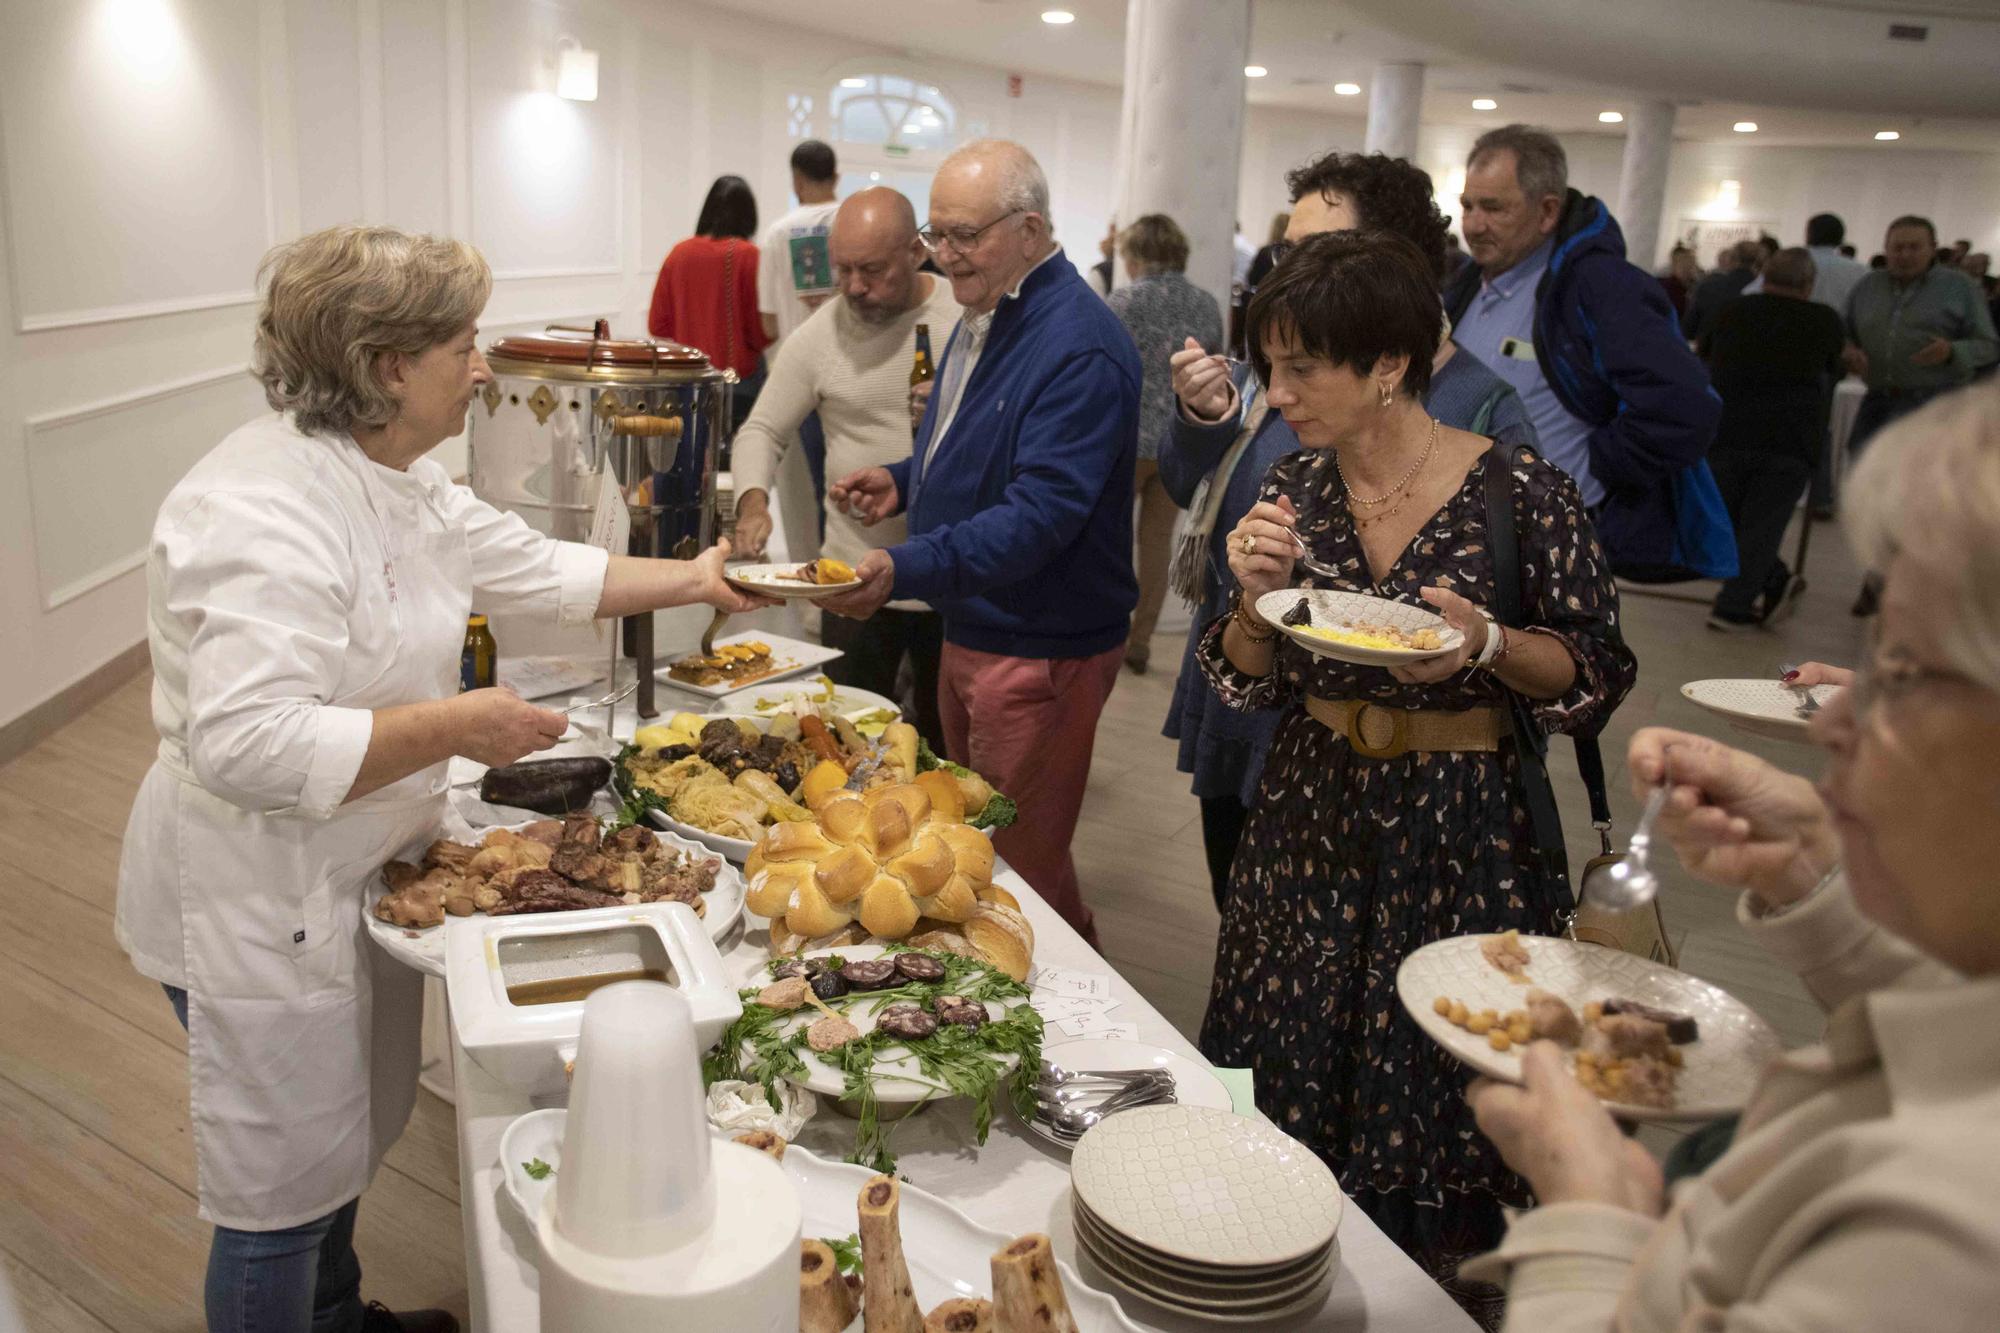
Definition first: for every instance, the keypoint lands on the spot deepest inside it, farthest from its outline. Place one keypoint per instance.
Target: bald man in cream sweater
(850, 362)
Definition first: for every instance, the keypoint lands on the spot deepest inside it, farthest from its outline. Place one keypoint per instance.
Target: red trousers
(1027, 725)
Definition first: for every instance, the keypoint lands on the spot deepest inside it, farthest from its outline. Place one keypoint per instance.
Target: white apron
(303, 1037)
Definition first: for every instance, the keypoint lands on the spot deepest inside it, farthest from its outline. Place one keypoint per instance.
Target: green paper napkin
(1240, 1092)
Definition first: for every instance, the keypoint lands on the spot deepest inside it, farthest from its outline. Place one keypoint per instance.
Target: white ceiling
(1809, 72)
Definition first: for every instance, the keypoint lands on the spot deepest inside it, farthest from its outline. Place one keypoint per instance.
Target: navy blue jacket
(1610, 345)
(1021, 526)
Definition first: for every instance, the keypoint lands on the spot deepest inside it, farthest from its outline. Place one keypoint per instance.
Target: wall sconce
(576, 72)
(1729, 195)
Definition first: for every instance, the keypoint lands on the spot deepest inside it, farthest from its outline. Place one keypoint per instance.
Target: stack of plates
(1206, 1212)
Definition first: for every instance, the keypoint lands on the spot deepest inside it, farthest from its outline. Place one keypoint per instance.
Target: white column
(1181, 127)
(1395, 107)
(1642, 183)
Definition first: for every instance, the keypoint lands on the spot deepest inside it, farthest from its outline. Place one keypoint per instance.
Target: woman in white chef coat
(308, 586)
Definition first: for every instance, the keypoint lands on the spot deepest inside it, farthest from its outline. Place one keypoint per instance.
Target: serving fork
(1809, 704)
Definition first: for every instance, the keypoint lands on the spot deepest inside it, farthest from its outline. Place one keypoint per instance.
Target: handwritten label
(611, 525)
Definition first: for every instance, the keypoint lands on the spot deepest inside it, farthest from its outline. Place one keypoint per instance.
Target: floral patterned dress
(1348, 863)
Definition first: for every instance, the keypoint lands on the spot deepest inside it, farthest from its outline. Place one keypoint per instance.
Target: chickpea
(1520, 1032)
(1441, 1007)
(1458, 1012)
(1593, 1011)
(1498, 1040)
(1479, 1025)
(1492, 1016)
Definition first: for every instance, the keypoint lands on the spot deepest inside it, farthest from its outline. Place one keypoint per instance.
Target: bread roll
(955, 902)
(770, 889)
(793, 842)
(947, 801)
(844, 818)
(926, 866)
(1003, 937)
(887, 908)
(826, 1302)
(811, 911)
(993, 893)
(845, 873)
(1028, 1294)
(973, 849)
(889, 1304)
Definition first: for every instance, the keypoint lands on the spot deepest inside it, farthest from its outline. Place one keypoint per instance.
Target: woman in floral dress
(1360, 850)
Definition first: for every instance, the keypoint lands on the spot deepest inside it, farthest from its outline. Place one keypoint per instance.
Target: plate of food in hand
(547, 865)
(1653, 1043)
(1768, 708)
(882, 1030)
(742, 660)
(726, 781)
(1354, 627)
(815, 578)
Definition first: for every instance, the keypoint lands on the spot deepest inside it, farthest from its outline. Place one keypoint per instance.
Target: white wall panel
(414, 116)
(545, 171)
(97, 473)
(134, 157)
(324, 40)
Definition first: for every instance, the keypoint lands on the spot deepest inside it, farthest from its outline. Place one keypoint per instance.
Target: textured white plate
(424, 949)
(948, 1253)
(769, 580)
(1722, 1067)
(759, 704)
(898, 1082)
(1195, 1084)
(1264, 1311)
(1205, 1282)
(790, 656)
(1761, 707)
(1206, 1185)
(1337, 609)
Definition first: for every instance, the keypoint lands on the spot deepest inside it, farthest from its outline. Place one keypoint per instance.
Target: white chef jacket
(293, 587)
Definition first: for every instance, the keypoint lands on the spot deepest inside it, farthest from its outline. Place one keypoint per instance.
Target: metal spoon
(1065, 1094)
(1074, 1121)
(1631, 883)
(1305, 557)
(1055, 1073)
(616, 696)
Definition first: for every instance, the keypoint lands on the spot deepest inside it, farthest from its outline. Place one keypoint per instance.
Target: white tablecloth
(1014, 1184)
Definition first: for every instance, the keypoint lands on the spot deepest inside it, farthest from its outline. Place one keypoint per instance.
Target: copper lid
(574, 351)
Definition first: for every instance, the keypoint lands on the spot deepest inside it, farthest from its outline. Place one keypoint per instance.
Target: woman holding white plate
(1390, 812)
(1859, 1190)
(309, 581)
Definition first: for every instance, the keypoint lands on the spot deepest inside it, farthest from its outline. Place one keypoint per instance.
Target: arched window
(892, 110)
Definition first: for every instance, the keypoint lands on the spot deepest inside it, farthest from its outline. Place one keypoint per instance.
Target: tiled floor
(97, 1224)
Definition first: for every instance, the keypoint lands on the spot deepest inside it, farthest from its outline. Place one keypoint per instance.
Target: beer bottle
(478, 662)
(921, 372)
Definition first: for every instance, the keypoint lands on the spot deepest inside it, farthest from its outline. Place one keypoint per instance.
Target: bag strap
(1531, 744)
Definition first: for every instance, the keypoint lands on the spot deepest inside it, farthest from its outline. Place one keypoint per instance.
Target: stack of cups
(651, 1225)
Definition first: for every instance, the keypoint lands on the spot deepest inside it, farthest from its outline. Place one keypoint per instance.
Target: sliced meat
(919, 967)
(631, 838)
(1626, 1036)
(581, 831)
(786, 994)
(908, 1021)
(1551, 1018)
(957, 1009)
(828, 985)
(869, 973)
(798, 967)
(1681, 1028)
(548, 832)
(831, 1033)
(1647, 1083)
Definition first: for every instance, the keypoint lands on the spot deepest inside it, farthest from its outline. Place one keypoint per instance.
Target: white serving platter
(1331, 609)
(789, 656)
(1766, 708)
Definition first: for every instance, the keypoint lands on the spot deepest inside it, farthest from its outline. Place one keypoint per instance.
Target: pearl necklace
(1352, 499)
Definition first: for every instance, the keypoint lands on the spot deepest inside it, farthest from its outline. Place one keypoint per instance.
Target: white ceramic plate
(1337, 609)
(898, 1082)
(760, 704)
(1207, 1186)
(424, 949)
(1206, 1304)
(1195, 1084)
(536, 1135)
(789, 656)
(1208, 1283)
(731, 849)
(1765, 708)
(770, 581)
(948, 1253)
(1720, 1069)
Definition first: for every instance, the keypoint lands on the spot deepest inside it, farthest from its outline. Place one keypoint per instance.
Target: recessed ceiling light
(1484, 104)
(854, 83)
(1611, 117)
(1745, 127)
(1886, 135)
(1254, 71)
(1347, 89)
(1057, 17)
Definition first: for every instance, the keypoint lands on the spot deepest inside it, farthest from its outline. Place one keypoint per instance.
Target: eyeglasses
(1889, 676)
(961, 239)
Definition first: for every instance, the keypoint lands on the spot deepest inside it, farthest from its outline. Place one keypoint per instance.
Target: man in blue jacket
(1593, 347)
(1019, 496)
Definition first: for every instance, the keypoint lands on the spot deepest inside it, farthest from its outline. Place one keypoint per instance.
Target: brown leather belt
(1385, 733)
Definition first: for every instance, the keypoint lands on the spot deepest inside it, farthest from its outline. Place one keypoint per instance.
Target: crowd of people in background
(1400, 409)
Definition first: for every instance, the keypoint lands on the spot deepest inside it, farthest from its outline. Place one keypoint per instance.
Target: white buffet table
(1014, 1184)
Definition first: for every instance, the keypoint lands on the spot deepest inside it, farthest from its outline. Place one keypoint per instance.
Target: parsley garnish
(846, 1253)
(538, 1169)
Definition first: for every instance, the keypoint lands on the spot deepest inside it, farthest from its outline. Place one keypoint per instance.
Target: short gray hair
(1791, 269)
(337, 299)
(1023, 186)
(1540, 165)
(1929, 488)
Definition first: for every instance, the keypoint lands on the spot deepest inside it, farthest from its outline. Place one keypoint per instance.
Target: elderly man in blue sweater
(1019, 497)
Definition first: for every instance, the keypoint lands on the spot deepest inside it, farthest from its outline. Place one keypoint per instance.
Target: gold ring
(1249, 544)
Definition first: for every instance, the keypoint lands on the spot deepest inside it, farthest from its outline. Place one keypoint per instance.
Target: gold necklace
(1352, 499)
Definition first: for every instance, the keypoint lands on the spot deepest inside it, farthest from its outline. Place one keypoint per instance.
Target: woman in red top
(706, 295)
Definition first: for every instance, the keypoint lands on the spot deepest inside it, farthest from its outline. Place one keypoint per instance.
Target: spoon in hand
(1631, 883)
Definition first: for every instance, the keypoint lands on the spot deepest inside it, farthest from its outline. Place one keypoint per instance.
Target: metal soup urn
(570, 409)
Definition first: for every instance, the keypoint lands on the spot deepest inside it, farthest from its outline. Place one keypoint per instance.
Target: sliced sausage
(957, 1009)
(919, 967)
(828, 986)
(906, 1021)
(869, 973)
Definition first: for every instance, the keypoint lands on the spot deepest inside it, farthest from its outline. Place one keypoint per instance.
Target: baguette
(1027, 1290)
(826, 1301)
(888, 1302)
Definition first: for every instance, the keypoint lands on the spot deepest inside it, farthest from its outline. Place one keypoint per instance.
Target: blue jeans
(302, 1279)
(812, 439)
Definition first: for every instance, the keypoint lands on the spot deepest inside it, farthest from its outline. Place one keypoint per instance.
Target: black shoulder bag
(1641, 932)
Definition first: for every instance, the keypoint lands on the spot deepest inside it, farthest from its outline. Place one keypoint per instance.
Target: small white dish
(1766, 708)
(536, 1136)
(1719, 1070)
(789, 657)
(1207, 1186)
(1331, 609)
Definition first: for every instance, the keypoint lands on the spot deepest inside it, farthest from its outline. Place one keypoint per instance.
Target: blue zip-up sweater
(1021, 526)
(1610, 345)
